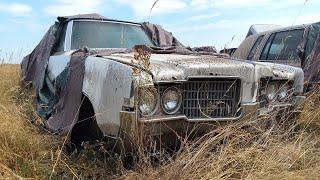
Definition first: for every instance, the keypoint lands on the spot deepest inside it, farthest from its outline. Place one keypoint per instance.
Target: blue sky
(193, 22)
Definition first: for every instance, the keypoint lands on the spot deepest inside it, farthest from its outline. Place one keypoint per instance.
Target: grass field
(240, 150)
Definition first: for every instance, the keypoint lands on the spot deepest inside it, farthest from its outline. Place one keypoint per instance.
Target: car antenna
(153, 5)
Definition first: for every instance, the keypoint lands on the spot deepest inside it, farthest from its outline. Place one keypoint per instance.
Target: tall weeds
(246, 149)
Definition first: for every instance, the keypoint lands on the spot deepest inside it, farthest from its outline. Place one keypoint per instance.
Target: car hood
(173, 67)
(169, 67)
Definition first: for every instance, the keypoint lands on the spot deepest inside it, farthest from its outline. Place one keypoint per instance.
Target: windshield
(97, 34)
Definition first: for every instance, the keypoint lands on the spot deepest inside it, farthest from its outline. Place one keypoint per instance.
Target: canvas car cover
(160, 35)
(62, 106)
(33, 66)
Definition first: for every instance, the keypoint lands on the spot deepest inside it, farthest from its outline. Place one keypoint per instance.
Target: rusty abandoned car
(295, 45)
(96, 77)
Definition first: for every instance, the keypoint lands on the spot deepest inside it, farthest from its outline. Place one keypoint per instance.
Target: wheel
(86, 128)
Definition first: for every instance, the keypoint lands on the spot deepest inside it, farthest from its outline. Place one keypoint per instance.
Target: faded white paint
(108, 82)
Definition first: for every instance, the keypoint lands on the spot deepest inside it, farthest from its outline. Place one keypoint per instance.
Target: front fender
(280, 71)
(107, 84)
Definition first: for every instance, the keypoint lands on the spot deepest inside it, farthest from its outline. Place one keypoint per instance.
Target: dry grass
(240, 150)
(27, 150)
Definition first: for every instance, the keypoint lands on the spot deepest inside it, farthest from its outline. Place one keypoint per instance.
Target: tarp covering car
(34, 65)
(62, 106)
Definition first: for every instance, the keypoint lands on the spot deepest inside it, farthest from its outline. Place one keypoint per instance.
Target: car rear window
(283, 45)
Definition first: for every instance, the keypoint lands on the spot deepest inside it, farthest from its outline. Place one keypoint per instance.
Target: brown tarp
(167, 43)
(69, 103)
(67, 108)
(160, 36)
(34, 65)
(205, 49)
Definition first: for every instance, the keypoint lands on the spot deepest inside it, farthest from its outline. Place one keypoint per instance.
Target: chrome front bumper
(295, 106)
(133, 130)
(162, 125)
(181, 123)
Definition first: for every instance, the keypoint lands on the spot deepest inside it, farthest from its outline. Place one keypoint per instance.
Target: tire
(86, 128)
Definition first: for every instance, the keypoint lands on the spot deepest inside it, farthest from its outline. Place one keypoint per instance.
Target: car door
(281, 47)
(312, 36)
(311, 55)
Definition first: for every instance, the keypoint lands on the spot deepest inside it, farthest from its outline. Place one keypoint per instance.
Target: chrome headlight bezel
(271, 92)
(178, 103)
(148, 95)
(283, 92)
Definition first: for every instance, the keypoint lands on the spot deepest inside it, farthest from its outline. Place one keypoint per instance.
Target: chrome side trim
(212, 77)
(195, 77)
(170, 82)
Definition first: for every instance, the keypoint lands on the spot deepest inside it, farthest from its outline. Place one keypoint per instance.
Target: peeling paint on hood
(174, 67)
(166, 67)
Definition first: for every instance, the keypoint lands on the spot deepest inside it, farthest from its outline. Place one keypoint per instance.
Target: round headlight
(271, 92)
(148, 101)
(283, 92)
(171, 100)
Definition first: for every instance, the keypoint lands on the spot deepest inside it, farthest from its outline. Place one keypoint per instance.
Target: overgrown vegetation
(239, 150)
(28, 151)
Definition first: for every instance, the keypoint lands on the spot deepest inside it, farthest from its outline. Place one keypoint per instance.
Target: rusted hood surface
(167, 67)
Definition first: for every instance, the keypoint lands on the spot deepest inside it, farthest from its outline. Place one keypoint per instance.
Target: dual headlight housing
(277, 91)
(149, 100)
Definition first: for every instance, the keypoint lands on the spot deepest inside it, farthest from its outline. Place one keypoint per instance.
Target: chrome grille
(211, 98)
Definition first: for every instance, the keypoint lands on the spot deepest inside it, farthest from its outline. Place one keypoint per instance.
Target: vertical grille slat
(217, 98)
